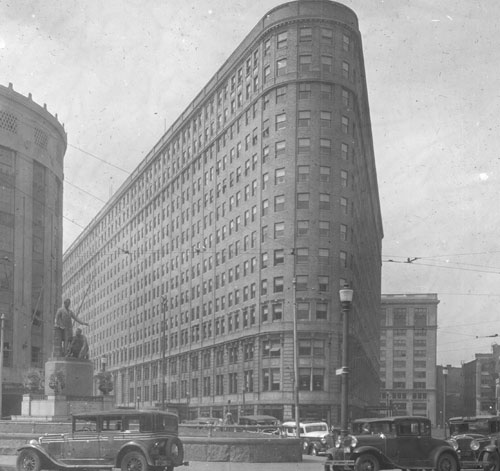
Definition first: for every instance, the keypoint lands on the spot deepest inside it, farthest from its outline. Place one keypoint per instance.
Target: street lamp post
(445, 381)
(346, 302)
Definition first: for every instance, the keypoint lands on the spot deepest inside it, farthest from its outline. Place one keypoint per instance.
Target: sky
(120, 72)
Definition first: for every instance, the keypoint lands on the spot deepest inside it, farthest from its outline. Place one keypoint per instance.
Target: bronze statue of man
(64, 322)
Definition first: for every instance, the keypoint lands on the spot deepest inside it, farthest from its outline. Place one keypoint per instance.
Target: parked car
(316, 438)
(204, 422)
(260, 423)
(477, 440)
(391, 443)
(127, 439)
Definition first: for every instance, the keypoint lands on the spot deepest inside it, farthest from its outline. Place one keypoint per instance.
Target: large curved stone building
(256, 206)
(32, 147)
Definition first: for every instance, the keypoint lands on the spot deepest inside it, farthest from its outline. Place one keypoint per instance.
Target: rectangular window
(271, 379)
(302, 255)
(281, 94)
(321, 311)
(281, 39)
(324, 201)
(302, 200)
(279, 257)
(343, 232)
(303, 309)
(346, 42)
(324, 174)
(323, 283)
(278, 284)
(345, 124)
(279, 176)
(279, 230)
(304, 145)
(325, 146)
(346, 97)
(327, 35)
(302, 228)
(280, 67)
(279, 203)
(280, 121)
(305, 63)
(344, 151)
(343, 259)
(304, 91)
(324, 228)
(326, 63)
(325, 119)
(326, 91)
(280, 149)
(303, 173)
(305, 34)
(343, 178)
(345, 70)
(343, 205)
(304, 118)
(301, 282)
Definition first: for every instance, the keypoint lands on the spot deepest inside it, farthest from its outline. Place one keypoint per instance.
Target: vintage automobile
(316, 437)
(132, 440)
(260, 423)
(391, 443)
(477, 440)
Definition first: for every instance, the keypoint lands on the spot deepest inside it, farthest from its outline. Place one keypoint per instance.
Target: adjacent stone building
(32, 147)
(252, 211)
(408, 354)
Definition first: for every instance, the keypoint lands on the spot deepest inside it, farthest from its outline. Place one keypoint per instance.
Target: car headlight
(349, 441)
(33, 442)
(474, 445)
(323, 440)
(453, 443)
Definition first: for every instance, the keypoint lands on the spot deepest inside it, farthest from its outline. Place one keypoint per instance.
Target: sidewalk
(309, 463)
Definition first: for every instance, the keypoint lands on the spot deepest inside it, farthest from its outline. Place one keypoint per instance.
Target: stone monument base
(77, 376)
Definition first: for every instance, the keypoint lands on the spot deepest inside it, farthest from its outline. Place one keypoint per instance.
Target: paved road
(309, 463)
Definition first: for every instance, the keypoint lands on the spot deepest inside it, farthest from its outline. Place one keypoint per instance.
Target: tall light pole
(346, 302)
(445, 381)
(2, 326)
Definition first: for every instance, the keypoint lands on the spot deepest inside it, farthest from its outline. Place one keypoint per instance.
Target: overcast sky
(118, 72)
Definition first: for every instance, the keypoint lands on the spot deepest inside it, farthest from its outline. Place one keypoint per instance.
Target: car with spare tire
(131, 440)
(403, 442)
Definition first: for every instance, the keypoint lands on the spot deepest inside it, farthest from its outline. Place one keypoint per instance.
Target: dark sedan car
(477, 440)
(132, 440)
(391, 443)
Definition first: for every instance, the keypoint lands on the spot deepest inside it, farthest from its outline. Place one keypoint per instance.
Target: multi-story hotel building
(32, 147)
(408, 354)
(256, 206)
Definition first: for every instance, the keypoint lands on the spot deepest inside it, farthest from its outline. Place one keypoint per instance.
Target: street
(309, 463)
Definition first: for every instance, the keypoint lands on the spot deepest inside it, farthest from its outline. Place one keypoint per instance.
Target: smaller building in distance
(408, 354)
(480, 391)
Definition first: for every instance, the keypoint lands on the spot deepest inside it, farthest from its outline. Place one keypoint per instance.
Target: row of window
(310, 379)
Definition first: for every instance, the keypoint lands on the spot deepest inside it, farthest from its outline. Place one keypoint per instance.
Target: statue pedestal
(77, 374)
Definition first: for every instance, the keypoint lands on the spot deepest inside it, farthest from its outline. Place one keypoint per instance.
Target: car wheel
(491, 461)
(366, 462)
(134, 461)
(29, 460)
(446, 462)
(175, 451)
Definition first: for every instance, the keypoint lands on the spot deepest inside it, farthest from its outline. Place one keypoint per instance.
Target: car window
(87, 424)
(408, 427)
(425, 429)
(132, 424)
(111, 424)
(316, 428)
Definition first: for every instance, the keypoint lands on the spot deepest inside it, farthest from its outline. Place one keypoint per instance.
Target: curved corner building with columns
(256, 206)
(32, 147)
